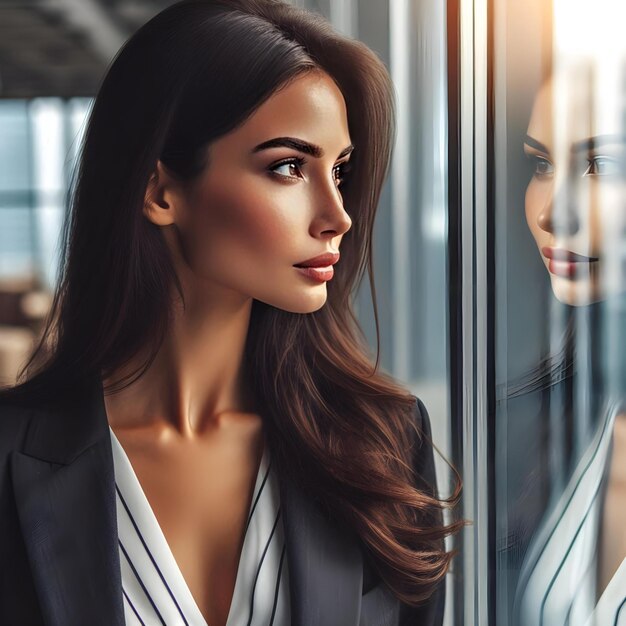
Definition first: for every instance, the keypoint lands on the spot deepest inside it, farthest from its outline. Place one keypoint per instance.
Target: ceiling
(63, 47)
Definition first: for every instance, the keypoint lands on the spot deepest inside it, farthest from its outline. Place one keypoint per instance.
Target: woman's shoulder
(23, 414)
(15, 421)
(422, 447)
(420, 416)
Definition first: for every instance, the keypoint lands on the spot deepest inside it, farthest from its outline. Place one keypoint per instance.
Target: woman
(202, 390)
(575, 569)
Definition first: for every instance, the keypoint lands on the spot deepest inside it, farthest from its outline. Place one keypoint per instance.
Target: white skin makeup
(576, 199)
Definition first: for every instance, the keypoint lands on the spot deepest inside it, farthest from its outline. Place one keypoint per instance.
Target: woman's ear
(161, 199)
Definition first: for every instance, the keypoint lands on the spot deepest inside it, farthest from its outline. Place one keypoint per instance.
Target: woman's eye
(340, 171)
(291, 168)
(543, 167)
(603, 166)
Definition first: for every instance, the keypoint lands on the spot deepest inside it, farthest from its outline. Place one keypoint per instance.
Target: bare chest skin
(200, 491)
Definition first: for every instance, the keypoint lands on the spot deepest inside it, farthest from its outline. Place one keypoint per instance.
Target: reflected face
(270, 199)
(576, 198)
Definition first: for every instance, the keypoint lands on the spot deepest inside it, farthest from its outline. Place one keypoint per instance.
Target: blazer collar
(64, 487)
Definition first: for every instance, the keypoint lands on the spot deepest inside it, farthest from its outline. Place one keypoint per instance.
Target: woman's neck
(197, 377)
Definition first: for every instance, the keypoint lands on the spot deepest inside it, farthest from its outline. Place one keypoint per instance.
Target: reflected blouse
(153, 586)
(558, 580)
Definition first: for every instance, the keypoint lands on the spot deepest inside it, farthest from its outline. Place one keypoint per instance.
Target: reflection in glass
(562, 544)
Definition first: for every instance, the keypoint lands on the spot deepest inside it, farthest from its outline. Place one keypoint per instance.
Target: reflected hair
(339, 427)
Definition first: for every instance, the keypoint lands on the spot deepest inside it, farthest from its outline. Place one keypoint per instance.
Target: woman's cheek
(534, 202)
(248, 220)
(608, 221)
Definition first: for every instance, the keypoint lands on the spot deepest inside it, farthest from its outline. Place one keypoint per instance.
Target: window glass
(40, 140)
(559, 245)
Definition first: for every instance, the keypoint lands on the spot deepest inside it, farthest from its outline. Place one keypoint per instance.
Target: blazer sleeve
(431, 613)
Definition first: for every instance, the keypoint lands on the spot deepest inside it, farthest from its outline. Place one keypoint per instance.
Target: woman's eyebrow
(298, 144)
(533, 143)
(592, 143)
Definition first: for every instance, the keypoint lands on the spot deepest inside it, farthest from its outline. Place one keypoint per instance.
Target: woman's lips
(319, 274)
(566, 263)
(319, 268)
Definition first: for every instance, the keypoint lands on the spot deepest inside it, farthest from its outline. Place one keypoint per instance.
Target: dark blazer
(59, 556)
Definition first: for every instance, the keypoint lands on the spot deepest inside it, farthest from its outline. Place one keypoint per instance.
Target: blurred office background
(467, 313)
(53, 54)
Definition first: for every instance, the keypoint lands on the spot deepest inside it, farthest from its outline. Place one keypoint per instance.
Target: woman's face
(576, 199)
(270, 199)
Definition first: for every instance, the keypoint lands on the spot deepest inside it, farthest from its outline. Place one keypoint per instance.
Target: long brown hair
(343, 430)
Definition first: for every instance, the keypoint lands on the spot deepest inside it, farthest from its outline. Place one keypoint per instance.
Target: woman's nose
(559, 215)
(544, 219)
(332, 218)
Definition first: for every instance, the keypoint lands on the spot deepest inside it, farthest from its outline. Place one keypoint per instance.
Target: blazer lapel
(325, 565)
(64, 488)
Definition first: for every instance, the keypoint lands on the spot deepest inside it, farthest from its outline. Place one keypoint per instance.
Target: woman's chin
(304, 303)
(574, 293)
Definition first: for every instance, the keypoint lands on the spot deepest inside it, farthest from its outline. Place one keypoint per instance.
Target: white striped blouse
(154, 589)
(558, 580)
